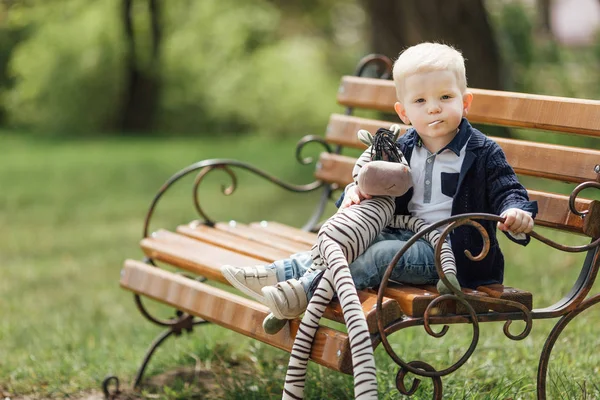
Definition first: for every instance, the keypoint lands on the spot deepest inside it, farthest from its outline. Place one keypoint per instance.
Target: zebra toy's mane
(384, 146)
(341, 239)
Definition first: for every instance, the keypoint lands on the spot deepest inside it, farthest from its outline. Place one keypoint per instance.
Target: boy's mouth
(435, 123)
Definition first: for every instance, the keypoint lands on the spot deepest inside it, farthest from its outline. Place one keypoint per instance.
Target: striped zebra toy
(341, 239)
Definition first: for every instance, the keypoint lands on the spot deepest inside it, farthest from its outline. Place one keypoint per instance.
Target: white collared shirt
(435, 179)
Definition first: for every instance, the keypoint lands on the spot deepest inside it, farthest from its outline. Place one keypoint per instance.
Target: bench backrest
(528, 158)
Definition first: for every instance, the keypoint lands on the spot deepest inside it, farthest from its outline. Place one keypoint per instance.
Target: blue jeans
(416, 266)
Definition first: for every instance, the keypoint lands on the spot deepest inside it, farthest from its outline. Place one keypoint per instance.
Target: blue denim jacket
(486, 184)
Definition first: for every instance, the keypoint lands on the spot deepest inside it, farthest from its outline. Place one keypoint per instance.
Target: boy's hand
(517, 221)
(353, 196)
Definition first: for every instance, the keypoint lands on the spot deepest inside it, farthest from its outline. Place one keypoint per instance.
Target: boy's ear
(401, 111)
(467, 100)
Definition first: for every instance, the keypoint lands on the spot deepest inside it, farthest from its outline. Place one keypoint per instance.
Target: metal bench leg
(551, 340)
(187, 323)
(181, 322)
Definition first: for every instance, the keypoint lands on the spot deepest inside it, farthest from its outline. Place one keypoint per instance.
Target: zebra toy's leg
(365, 373)
(341, 240)
(361, 347)
(295, 377)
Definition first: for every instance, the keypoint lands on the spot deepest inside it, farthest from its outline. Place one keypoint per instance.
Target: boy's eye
(419, 100)
(446, 97)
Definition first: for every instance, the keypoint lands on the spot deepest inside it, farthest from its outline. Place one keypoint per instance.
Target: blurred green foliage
(227, 66)
(535, 62)
(67, 73)
(224, 66)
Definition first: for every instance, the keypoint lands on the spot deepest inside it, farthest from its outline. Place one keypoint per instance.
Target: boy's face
(434, 104)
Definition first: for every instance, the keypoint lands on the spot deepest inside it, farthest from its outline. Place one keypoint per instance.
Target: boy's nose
(434, 108)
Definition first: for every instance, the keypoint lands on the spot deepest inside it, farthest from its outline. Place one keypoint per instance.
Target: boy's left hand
(517, 221)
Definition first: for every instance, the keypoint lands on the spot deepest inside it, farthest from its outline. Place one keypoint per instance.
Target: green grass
(72, 211)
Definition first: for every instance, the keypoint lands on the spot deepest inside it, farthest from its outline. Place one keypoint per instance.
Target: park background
(102, 100)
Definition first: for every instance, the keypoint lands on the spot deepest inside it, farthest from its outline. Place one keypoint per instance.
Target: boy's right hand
(353, 196)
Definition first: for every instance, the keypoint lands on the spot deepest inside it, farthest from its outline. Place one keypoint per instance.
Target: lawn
(72, 211)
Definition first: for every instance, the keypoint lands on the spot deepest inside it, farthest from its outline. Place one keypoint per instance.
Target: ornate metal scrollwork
(522, 312)
(111, 394)
(575, 194)
(207, 166)
(203, 168)
(437, 381)
(452, 222)
(378, 60)
(466, 219)
(307, 140)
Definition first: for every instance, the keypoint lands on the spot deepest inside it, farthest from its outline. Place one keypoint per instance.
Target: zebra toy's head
(388, 173)
(384, 146)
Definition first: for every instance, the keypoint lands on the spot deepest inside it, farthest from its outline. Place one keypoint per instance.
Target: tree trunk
(142, 83)
(545, 18)
(461, 23)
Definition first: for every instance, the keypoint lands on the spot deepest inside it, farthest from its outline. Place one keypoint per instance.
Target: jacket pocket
(449, 183)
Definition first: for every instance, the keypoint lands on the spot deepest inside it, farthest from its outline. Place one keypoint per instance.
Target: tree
(461, 23)
(545, 17)
(141, 92)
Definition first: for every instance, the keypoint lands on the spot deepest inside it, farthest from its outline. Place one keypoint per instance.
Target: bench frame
(568, 308)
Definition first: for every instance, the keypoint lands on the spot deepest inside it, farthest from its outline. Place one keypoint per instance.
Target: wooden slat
(414, 300)
(262, 236)
(286, 231)
(192, 255)
(342, 129)
(562, 163)
(390, 309)
(458, 308)
(232, 242)
(508, 293)
(553, 208)
(591, 223)
(206, 259)
(511, 109)
(330, 349)
(554, 211)
(335, 168)
(478, 307)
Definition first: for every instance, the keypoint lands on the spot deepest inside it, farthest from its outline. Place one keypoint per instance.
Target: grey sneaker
(250, 280)
(272, 325)
(287, 300)
(443, 289)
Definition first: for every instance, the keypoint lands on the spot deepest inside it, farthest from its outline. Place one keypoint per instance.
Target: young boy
(455, 170)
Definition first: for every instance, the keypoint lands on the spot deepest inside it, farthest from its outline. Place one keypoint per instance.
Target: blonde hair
(428, 57)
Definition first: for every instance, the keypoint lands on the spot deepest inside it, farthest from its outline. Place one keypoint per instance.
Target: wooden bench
(200, 247)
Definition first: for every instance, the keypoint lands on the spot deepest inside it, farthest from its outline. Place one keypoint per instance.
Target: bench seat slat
(203, 258)
(286, 231)
(553, 208)
(413, 300)
(510, 109)
(508, 293)
(229, 241)
(562, 163)
(458, 308)
(330, 349)
(262, 236)
(193, 255)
